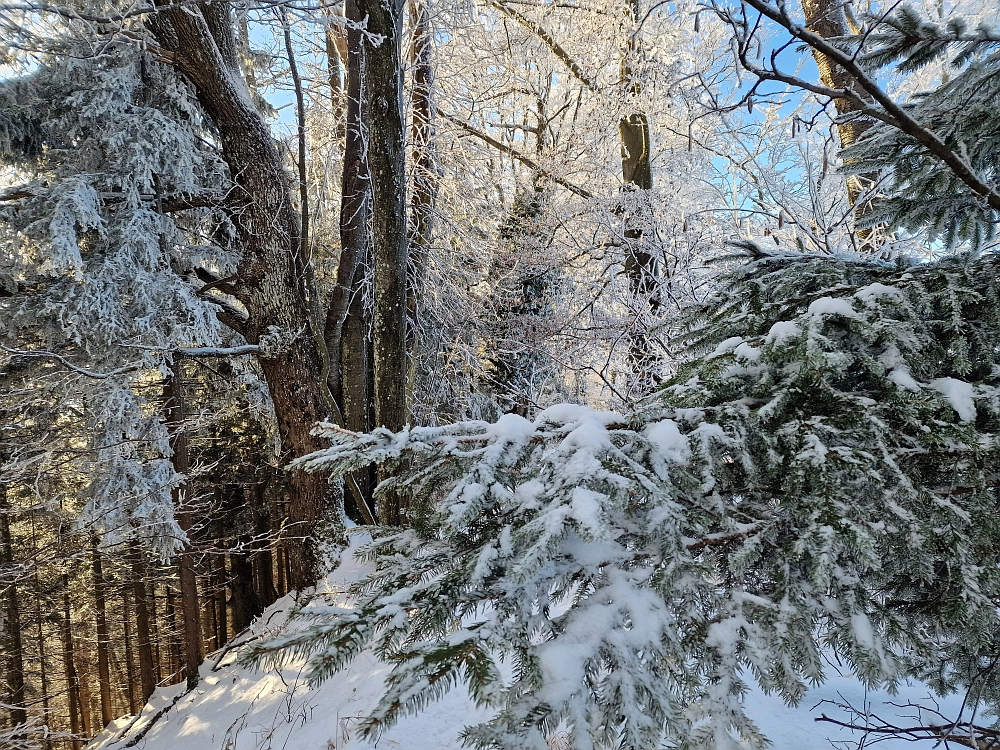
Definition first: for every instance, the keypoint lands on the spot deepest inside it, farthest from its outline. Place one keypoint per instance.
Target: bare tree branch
(538, 30)
(510, 151)
(888, 110)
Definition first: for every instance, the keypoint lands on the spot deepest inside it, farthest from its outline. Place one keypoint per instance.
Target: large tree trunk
(827, 19)
(271, 278)
(640, 265)
(347, 323)
(383, 81)
(14, 645)
(383, 84)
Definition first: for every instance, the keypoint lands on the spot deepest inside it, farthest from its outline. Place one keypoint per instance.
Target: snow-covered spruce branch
(625, 575)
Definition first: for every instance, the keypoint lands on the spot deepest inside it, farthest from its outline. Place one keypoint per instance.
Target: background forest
(683, 310)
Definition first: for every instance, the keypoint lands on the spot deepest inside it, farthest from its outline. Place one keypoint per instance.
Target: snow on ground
(236, 708)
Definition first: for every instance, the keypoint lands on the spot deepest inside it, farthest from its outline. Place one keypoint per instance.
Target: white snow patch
(670, 444)
(875, 291)
(832, 306)
(959, 394)
(747, 352)
(901, 377)
(726, 347)
(781, 332)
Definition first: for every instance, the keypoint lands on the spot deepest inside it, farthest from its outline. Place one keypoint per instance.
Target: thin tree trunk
(279, 557)
(426, 175)
(174, 660)
(640, 265)
(101, 619)
(219, 576)
(129, 653)
(86, 706)
(209, 601)
(263, 562)
(77, 713)
(43, 670)
(174, 408)
(336, 65)
(143, 632)
(15, 648)
(355, 208)
(154, 633)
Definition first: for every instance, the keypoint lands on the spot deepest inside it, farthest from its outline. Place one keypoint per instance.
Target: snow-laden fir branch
(626, 576)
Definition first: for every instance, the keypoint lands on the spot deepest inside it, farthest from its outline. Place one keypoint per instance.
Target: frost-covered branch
(550, 41)
(40, 354)
(513, 152)
(873, 728)
(201, 352)
(796, 479)
(888, 110)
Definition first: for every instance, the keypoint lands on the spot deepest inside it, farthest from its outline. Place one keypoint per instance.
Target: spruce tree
(820, 478)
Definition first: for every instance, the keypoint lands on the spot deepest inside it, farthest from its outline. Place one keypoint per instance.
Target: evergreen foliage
(101, 141)
(920, 192)
(821, 479)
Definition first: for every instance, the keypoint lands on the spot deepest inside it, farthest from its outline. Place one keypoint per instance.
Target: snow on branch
(789, 494)
(192, 352)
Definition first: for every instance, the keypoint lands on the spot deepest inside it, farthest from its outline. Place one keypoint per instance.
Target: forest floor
(240, 708)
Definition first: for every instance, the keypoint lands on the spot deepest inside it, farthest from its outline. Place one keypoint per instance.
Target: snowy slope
(235, 708)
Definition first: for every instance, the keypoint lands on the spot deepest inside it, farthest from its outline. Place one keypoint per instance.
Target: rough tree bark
(637, 174)
(827, 19)
(14, 645)
(271, 279)
(174, 411)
